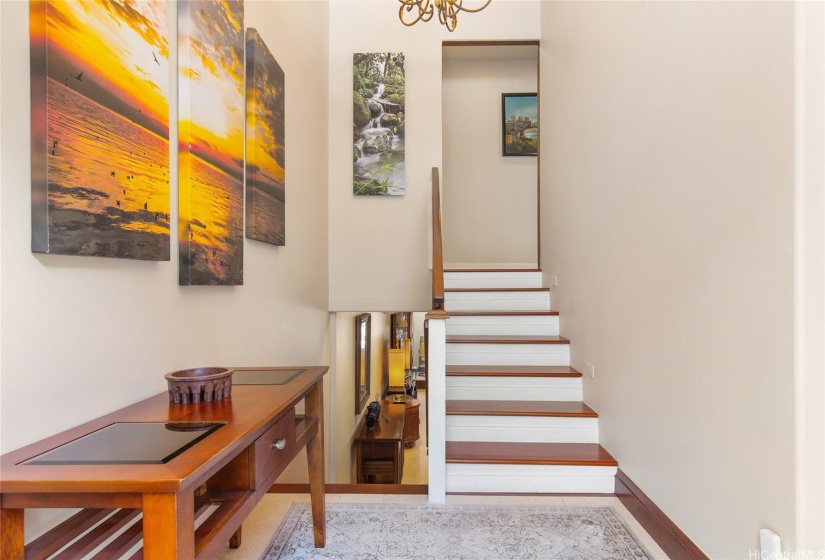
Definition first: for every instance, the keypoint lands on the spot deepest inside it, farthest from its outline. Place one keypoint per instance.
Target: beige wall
(344, 419)
(668, 172)
(489, 201)
(378, 246)
(84, 336)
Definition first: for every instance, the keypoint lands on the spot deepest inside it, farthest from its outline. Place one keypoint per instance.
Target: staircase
(515, 420)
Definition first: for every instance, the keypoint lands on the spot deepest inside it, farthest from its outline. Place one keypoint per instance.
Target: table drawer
(273, 449)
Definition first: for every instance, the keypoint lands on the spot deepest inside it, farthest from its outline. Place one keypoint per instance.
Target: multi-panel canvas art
(100, 128)
(378, 124)
(265, 143)
(211, 141)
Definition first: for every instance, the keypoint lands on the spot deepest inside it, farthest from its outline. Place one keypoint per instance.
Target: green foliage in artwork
(360, 112)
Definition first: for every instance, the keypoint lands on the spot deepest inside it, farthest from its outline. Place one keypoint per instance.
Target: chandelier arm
(473, 11)
(425, 12)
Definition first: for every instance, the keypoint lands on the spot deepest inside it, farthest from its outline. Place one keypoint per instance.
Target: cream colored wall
(489, 201)
(85, 336)
(378, 246)
(344, 420)
(667, 200)
(809, 363)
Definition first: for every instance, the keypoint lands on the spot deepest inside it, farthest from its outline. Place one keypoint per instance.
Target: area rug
(457, 532)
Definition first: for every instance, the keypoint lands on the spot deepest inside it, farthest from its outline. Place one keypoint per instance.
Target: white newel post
(436, 403)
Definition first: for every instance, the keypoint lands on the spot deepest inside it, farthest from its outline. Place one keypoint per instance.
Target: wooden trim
(352, 489)
(549, 494)
(673, 541)
(557, 409)
(438, 255)
(492, 270)
(527, 43)
(505, 339)
(503, 313)
(457, 290)
(512, 371)
(518, 453)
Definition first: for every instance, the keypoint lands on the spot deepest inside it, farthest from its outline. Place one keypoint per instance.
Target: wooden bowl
(199, 384)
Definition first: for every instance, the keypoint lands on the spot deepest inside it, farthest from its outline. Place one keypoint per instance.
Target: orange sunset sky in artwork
(121, 48)
(211, 72)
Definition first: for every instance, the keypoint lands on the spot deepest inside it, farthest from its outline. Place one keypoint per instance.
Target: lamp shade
(407, 357)
(395, 363)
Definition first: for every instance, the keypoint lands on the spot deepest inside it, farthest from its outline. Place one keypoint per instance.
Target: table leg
(236, 538)
(169, 525)
(11, 534)
(315, 459)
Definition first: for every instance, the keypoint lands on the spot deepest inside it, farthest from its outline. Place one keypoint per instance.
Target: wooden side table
(412, 421)
(380, 451)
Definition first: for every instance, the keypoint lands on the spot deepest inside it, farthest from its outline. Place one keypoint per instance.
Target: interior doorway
(490, 199)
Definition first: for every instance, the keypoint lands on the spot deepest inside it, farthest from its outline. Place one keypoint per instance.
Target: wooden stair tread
(505, 339)
(515, 453)
(482, 313)
(569, 409)
(496, 289)
(512, 371)
(492, 270)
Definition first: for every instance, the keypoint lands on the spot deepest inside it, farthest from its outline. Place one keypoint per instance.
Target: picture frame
(362, 372)
(519, 124)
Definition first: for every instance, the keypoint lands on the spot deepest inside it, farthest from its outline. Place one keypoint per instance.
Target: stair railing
(436, 360)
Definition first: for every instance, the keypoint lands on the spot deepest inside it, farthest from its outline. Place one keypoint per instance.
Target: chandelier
(447, 11)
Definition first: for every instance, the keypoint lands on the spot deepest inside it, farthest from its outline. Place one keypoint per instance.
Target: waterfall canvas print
(100, 128)
(378, 124)
(265, 143)
(211, 141)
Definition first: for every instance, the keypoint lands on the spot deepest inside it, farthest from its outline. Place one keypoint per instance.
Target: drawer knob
(280, 444)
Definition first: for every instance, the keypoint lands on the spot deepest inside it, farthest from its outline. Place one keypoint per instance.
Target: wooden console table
(380, 451)
(236, 464)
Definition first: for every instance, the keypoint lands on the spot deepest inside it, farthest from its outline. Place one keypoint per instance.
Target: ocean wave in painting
(108, 181)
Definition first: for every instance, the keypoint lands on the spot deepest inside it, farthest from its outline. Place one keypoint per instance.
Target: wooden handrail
(438, 256)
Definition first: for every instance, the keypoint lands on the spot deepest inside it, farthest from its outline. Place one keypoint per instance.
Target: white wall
(489, 201)
(378, 246)
(809, 363)
(85, 336)
(668, 176)
(344, 419)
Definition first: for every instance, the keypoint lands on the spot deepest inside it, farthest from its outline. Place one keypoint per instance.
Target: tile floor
(264, 520)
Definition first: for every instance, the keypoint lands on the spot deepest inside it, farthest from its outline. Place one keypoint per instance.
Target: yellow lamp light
(395, 363)
(407, 346)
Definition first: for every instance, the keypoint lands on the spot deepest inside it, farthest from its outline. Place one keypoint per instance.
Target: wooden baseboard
(352, 489)
(676, 544)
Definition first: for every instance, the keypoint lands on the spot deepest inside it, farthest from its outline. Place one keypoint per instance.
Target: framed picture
(362, 361)
(378, 124)
(100, 129)
(519, 124)
(211, 123)
(265, 143)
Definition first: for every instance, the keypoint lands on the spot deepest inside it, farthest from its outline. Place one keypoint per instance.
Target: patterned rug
(457, 532)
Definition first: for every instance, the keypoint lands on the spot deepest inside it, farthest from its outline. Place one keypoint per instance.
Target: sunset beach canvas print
(265, 143)
(100, 128)
(211, 141)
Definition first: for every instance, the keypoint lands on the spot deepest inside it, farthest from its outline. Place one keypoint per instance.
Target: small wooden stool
(411, 422)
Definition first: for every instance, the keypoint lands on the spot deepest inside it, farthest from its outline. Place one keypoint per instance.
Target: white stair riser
(530, 479)
(492, 279)
(514, 388)
(528, 429)
(497, 301)
(519, 325)
(473, 354)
